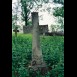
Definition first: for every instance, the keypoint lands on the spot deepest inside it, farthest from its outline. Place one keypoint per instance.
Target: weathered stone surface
(37, 62)
(42, 29)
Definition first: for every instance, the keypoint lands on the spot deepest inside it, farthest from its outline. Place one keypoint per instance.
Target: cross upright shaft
(36, 52)
(37, 63)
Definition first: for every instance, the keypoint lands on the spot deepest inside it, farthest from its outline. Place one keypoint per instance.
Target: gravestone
(37, 57)
(15, 30)
(42, 28)
(27, 29)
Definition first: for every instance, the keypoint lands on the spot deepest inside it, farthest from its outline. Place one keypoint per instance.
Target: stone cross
(43, 29)
(15, 30)
(37, 57)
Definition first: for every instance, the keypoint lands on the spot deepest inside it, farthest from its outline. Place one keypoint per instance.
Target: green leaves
(52, 49)
(59, 1)
(59, 11)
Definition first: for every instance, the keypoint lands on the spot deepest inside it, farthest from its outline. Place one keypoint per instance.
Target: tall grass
(53, 53)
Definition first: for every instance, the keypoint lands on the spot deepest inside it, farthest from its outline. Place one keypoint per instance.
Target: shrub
(53, 54)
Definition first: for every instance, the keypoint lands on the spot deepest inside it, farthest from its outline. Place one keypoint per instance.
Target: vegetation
(59, 13)
(59, 1)
(52, 49)
(27, 5)
(52, 46)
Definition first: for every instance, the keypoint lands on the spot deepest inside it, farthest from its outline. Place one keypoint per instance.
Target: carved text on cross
(15, 30)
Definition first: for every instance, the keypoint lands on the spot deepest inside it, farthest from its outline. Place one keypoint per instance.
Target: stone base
(41, 68)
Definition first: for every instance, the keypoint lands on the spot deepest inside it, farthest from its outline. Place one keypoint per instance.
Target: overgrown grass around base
(53, 53)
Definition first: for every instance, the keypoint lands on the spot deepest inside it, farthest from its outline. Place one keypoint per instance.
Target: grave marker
(37, 57)
(15, 30)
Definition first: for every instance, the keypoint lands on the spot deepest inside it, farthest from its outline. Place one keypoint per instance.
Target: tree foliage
(59, 11)
(27, 5)
(15, 11)
(14, 20)
(59, 1)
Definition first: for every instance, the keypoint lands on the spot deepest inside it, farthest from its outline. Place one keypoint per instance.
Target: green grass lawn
(53, 53)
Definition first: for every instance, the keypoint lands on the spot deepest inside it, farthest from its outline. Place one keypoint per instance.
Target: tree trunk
(26, 18)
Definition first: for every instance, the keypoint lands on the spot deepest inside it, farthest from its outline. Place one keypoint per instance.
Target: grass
(53, 53)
